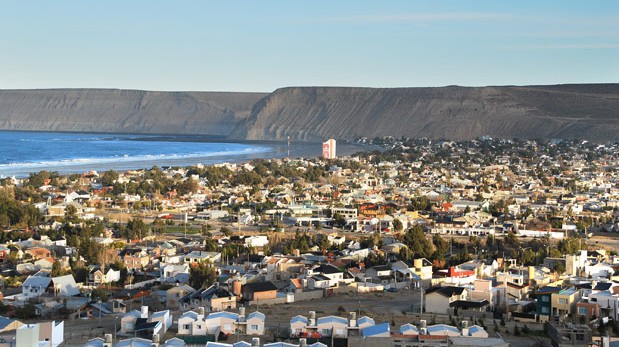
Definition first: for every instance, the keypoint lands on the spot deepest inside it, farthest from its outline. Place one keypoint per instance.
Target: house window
(254, 327)
(545, 310)
(563, 301)
(186, 326)
(582, 311)
(199, 327)
(580, 337)
(326, 332)
(545, 298)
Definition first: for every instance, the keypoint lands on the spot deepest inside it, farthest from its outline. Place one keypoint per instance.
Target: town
(490, 242)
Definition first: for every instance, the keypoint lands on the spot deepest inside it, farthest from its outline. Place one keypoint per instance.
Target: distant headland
(575, 111)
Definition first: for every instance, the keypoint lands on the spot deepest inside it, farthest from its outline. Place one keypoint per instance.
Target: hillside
(124, 111)
(588, 111)
(316, 113)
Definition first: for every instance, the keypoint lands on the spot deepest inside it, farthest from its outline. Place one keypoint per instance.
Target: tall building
(328, 149)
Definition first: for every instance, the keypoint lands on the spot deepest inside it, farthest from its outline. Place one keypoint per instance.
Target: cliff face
(316, 113)
(124, 111)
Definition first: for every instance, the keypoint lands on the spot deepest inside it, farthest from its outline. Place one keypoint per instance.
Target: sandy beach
(256, 149)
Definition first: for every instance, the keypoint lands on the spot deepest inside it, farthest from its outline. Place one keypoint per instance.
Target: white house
(332, 326)
(164, 317)
(185, 322)
(65, 285)
(35, 286)
(255, 323)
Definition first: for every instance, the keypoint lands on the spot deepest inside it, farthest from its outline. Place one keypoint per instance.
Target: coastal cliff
(563, 111)
(588, 111)
(125, 111)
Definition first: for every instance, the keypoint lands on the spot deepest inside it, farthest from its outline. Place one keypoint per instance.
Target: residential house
(8, 324)
(380, 274)
(65, 286)
(318, 282)
(174, 295)
(544, 302)
(564, 302)
(298, 326)
(587, 310)
(423, 268)
(607, 302)
(134, 259)
(253, 325)
(200, 256)
(170, 271)
(378, 330)
(213, 298)
(437, 299)
(186, 320)
(335, 275)
(128, 320)
(97, 277)
(259, 291)
(331, 326)
(35, 285)
(165, 317)
(406, 274)
(486, 290)
(442, 330)
(224, 321)
(37, 253)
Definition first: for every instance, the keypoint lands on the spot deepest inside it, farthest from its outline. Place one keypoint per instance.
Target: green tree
(136, 229)
(202, 274)
(57, 269)
(440, 247)
(108, 178)
(397, 225)
(417, 242)
(339, 220)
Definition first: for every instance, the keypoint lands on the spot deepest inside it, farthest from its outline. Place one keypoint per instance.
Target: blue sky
(264, 45)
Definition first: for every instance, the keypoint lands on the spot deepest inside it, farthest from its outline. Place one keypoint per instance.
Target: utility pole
(421, 300)
(288, 146)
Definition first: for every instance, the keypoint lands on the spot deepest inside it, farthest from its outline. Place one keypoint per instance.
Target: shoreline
(273, 150)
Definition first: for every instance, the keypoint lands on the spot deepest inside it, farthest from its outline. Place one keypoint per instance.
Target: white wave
(125, 158)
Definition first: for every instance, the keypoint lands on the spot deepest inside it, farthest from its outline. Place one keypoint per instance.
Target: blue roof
(191, 314)
(374, 330)
(408, 327)
(37, 281)
(317, 344)
(134, 342)
(5, 322)
(437, 328)
(331, 319)
(174, 342)
(298, 319)
(365, 319)
(241, 344)
(475, 329)
(280, 344)
(96, 342)
(223, 314)
(256, 314)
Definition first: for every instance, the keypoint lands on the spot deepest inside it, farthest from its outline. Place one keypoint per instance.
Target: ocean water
(24, 152)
